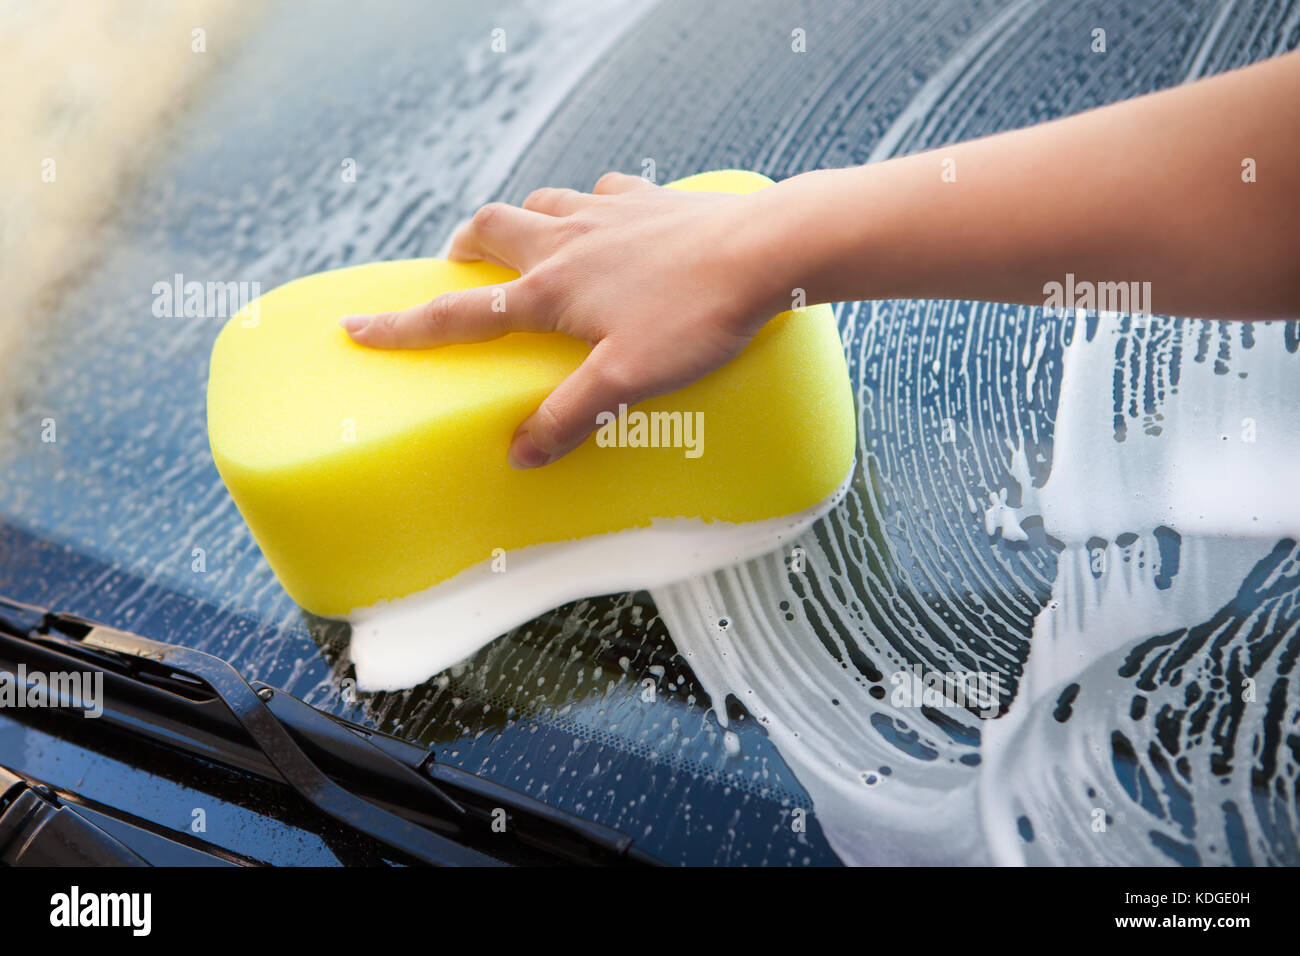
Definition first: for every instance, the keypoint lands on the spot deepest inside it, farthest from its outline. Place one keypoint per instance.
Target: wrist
(799, 238)
(750, 252)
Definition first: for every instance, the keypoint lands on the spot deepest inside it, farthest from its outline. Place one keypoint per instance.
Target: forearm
(1150, 190)
(668, 285)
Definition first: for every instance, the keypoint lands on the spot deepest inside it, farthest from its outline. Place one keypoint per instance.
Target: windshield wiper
(388, 789)
(44, 826)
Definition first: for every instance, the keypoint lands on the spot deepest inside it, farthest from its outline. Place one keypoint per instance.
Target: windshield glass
(1026, 482)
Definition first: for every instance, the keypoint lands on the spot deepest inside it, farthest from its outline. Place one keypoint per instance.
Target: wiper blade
(384, 787)
(42, 826)
(35, 830)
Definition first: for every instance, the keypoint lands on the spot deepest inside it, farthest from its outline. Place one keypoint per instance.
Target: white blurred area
(86, 87)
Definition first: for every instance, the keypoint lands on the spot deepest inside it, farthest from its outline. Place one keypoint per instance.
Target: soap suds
(401, 643)
(1171, 531)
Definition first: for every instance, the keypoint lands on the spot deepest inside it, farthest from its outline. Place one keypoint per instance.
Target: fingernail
(524, 454)
(354, 323)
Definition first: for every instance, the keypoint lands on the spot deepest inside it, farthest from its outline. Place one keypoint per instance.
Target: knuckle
(609, 180)
(438, 312)
(545, 285)
(617, 379)
(541, 198)
(462, 245)
(487, 215)
(573, 227)
(548, 429)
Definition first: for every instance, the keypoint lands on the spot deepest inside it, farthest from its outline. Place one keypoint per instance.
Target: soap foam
(1154, 465)
(401, 643)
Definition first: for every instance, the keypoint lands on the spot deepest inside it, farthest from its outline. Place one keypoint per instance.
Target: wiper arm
(35, 830)
(381, 786)
(42, 826)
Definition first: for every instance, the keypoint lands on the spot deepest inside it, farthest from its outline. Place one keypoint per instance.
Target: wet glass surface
(1001, 449)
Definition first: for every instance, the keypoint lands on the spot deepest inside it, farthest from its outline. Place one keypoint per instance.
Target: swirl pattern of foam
(1140, 621)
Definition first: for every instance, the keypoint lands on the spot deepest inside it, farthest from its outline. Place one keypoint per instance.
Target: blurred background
(88, 89)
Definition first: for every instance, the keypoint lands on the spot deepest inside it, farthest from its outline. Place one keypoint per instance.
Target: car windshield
(1029, 503)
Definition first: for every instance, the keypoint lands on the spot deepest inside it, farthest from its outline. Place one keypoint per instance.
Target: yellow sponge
(369, 475)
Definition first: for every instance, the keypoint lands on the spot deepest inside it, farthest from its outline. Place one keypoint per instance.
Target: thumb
(568, 415)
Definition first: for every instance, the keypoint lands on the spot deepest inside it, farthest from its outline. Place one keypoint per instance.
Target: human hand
(658, 281)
